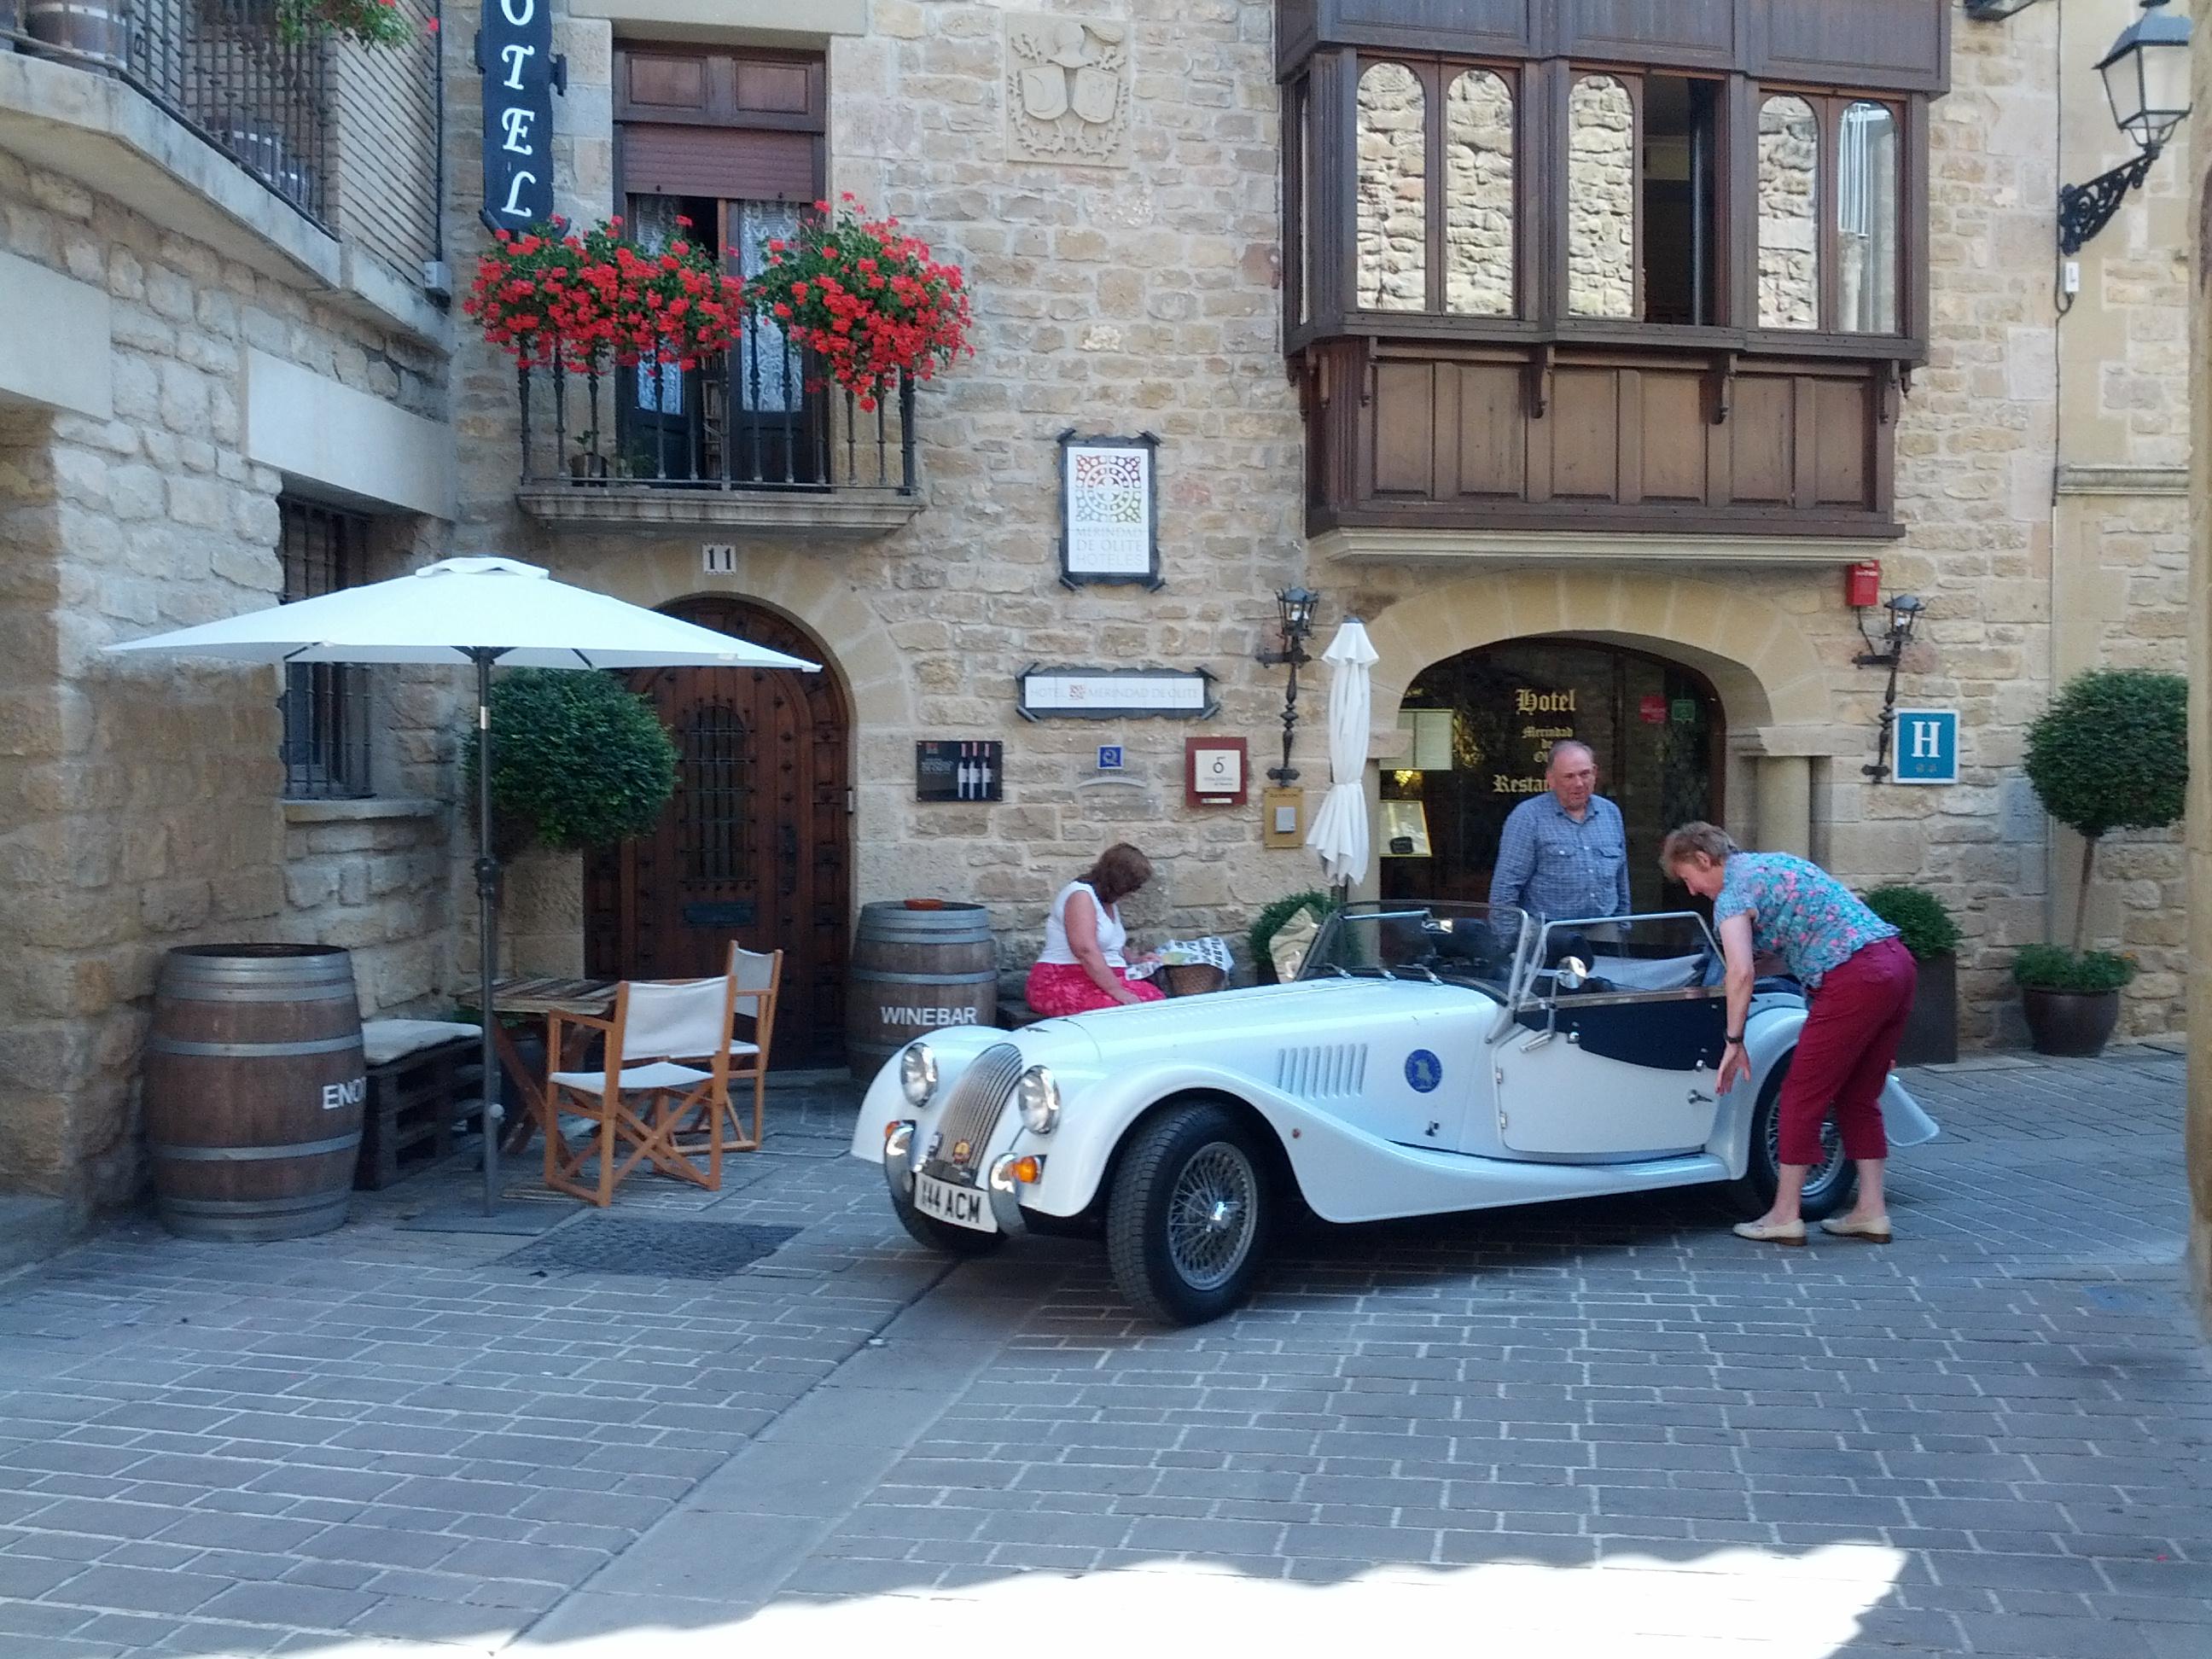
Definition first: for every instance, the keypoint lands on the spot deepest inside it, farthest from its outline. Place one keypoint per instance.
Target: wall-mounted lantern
(2147, 80)
(1295, 609)
(1888, 652)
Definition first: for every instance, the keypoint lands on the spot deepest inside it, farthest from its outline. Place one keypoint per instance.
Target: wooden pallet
(408, 1123)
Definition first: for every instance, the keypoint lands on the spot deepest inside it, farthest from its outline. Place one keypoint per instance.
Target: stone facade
(1146, 297)
(1110, 180)
(141, 803)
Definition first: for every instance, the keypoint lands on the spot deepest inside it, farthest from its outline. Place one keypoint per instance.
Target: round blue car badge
(1424, 1070)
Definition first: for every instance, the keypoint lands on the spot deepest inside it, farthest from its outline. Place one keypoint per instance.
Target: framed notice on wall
(1091, 693)
(959, 771)
(1109, 512)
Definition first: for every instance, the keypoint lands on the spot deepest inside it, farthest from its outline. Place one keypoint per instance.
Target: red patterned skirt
(1063, 988)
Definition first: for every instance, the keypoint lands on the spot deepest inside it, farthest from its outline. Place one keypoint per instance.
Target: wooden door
(753, 845)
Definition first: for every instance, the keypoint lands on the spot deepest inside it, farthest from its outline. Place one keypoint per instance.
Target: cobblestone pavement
(1602, 1428)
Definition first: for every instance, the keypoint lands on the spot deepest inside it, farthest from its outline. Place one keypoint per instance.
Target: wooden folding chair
(759, 975)
(642, 1093)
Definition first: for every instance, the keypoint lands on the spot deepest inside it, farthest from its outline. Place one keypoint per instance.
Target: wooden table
(539, 996)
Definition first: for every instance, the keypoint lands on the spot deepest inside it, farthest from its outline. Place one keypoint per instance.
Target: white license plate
(963, 1206)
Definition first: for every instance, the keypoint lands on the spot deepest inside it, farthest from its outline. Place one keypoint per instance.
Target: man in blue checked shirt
(1564, 853)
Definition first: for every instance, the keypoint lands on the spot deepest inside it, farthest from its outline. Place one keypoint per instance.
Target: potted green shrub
(2111, 752)
(579, 761)
(2072, 997)
(1298, 912)
(1926, 928)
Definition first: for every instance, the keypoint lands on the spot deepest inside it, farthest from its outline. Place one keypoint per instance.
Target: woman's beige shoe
(1771, 1232)
(1843, 1226)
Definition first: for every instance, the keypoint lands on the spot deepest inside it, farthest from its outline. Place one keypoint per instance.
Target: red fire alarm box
(1862, 585)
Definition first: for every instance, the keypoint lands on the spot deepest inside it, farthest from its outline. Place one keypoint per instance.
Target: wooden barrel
(91, 28)
(918, 965)
(254, 1086)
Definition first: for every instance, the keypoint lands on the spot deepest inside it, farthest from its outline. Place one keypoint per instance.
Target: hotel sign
(514, 54)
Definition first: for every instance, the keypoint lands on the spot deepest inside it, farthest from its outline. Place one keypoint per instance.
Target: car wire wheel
(1212, 1211)
(1189, 1213)
(1820, 1180)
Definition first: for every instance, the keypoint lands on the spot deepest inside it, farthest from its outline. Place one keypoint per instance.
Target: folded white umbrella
(1340, 832)
(480, 611)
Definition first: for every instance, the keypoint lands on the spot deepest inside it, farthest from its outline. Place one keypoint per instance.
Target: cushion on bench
(384, 1041)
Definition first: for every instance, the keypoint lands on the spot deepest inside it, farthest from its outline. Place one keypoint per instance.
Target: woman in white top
(1083, 965)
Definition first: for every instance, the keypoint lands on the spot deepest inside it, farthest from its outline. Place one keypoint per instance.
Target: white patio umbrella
(479, 611)
(1340, 828)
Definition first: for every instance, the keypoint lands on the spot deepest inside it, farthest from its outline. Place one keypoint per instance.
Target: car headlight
(1038, 1096)
(918, 1073)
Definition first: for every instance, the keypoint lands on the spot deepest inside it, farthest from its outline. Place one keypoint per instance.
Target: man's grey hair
(1563, 746)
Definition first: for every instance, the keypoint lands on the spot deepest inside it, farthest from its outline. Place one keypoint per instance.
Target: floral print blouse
(1798, 911)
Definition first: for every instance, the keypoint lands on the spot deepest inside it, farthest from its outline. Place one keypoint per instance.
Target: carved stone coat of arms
(1068, 89)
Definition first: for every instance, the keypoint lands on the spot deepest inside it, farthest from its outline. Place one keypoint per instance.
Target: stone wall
(1478, 207)
(1788, 229)
(139, 799)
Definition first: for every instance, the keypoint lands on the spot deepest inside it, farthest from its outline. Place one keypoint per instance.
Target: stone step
(32, 1228)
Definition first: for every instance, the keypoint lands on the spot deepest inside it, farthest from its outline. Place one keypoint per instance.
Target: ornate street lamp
(2146, 79)
(1905, 610)
(1295, 609)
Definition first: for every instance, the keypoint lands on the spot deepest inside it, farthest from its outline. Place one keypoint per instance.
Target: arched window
(1866, 218)
(1788, 224)
(1478, 195)
(1393, 191)
(1600, 205)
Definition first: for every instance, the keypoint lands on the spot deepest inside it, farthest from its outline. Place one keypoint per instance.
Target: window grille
(325, 705)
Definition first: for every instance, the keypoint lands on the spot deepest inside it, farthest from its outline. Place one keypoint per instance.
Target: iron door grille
(325, 705)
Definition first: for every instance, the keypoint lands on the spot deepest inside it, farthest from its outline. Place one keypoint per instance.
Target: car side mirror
(1570, 975)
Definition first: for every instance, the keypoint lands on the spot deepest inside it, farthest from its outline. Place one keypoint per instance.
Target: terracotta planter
(1931, 1030)
(2073, 1023)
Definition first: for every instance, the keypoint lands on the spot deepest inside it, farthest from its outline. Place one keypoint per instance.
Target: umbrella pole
(487, 919)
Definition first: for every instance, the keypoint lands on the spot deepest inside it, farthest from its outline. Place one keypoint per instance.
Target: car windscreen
(1474, 944)
(1622, 954)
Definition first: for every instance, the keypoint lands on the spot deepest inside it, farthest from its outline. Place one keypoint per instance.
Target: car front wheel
(1830, 1185)
(1188, 1219)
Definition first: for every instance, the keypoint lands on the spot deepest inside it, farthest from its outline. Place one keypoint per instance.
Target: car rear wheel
(943, 1236)
(1187, 1221)
(1830, 1185)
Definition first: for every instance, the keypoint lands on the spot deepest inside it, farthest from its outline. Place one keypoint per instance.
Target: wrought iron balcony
(747, 441)
(218, 67)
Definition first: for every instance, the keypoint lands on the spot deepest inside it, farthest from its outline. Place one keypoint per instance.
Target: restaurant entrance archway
(1482, 724)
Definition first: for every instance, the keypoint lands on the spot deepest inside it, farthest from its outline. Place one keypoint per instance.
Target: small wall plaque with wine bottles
(959, 771)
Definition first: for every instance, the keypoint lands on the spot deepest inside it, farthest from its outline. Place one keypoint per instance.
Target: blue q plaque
(514, 54)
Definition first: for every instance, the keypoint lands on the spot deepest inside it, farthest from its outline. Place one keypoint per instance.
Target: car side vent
(1331, 1070)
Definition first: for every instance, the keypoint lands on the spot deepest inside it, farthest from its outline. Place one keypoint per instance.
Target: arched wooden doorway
(1484, 721)
(754, 846)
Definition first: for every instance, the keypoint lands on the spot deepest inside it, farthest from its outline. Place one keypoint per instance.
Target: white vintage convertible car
(1429, 1058)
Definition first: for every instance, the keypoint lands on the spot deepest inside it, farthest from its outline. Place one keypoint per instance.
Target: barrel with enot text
(255, 1083)
(918, 966)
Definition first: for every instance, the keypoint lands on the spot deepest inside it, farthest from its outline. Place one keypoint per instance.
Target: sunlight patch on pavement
(1737, 1602)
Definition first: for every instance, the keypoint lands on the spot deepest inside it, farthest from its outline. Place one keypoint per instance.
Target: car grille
(977, 1099)
(1332, 1071)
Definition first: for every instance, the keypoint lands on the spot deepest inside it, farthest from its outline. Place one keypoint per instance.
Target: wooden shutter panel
(731, 163)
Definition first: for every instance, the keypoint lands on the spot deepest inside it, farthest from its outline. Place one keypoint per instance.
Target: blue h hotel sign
(1926, 745)
(514, 54)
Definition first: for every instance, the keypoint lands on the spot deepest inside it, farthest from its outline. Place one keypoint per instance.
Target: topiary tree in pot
(1926, 929)
(2111, 752)
(578, 761)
